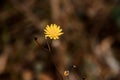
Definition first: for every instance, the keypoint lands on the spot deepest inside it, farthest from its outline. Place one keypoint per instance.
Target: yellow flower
(53, 31)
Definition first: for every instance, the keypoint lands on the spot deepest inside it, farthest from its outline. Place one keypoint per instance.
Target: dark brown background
(89, 47)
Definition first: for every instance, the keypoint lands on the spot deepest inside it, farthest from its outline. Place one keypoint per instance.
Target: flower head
(66, 73)
(53, 31)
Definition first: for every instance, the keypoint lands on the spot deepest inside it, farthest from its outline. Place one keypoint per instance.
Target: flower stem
(49, 47)
(51, 53)
(67, 78)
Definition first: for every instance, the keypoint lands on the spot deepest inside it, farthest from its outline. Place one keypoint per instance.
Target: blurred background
(89, 49)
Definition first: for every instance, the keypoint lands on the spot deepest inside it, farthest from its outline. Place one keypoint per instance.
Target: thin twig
(35, 39)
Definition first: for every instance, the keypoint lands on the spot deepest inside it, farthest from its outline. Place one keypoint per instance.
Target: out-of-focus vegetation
(89, 49)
